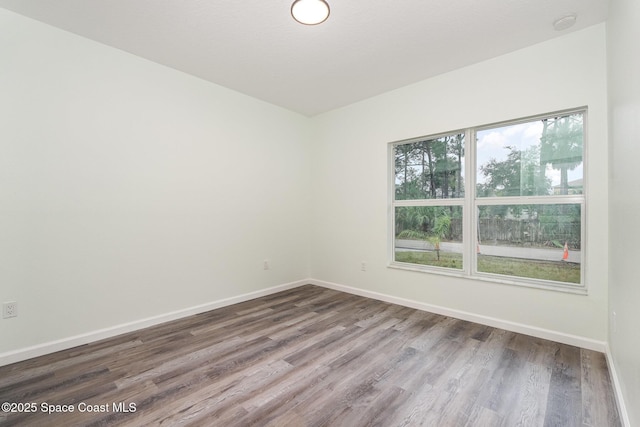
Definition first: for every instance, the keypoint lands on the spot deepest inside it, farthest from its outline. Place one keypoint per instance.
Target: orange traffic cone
(565, 255)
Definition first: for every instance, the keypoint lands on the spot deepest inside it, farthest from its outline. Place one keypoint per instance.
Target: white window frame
(470, 205)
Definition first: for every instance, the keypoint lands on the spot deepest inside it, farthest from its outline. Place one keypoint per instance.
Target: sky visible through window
(494, 143)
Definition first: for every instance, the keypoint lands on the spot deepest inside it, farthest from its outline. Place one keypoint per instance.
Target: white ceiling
(365, 48)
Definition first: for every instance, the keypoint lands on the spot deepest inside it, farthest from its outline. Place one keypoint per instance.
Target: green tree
(439, 231)
(430, 169)
(515, 176)
(561, 146)
(403, 172)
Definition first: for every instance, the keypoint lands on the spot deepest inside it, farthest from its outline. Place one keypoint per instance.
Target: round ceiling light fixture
(564, 22)
(310, 12)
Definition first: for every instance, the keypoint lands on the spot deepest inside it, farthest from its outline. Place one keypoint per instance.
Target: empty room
(319, 213)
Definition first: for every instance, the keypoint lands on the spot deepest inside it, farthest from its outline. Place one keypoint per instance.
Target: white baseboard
(617, 389)
(551, 335)
(74, 341)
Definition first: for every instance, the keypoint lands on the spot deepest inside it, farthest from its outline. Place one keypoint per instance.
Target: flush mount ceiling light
(310, 12)
(564, 22)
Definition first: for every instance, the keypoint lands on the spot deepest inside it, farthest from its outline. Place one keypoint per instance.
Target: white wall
(130, 190)
(350, 203)
(122, 198)
(623, 34)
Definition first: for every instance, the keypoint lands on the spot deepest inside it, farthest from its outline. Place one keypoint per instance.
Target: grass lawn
(447, 259)
(558, 271)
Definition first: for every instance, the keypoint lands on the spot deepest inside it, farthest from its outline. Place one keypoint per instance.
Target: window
(513, 213)
(429, 199)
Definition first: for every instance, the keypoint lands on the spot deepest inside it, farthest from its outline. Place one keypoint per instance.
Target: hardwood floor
(315, 357)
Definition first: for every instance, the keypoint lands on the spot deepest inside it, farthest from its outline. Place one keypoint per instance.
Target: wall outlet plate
(9, 309)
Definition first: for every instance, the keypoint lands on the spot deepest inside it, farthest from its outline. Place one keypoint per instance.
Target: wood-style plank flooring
(312, 356)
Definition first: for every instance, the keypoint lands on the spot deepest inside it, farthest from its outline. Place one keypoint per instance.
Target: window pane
(430, 169)
(429, 235)
(542, 157)
(529, 241)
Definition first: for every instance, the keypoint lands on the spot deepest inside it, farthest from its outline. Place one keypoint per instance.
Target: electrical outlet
(9, 309)
(363, 266)
(266, 264)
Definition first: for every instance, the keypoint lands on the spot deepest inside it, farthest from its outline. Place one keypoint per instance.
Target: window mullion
(470, 223)
(530, 200)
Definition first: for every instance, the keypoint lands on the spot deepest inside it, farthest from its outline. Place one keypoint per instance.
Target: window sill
(535, 284)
